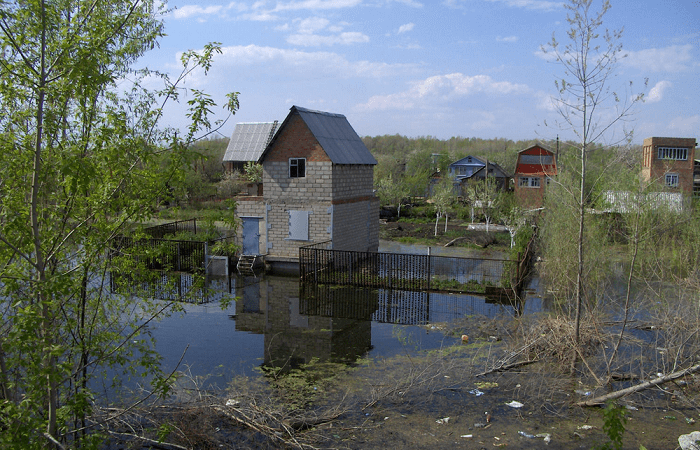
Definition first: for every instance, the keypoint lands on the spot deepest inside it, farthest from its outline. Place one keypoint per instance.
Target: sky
(468, 68)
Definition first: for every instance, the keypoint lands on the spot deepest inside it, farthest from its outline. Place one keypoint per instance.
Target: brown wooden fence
(320, 264)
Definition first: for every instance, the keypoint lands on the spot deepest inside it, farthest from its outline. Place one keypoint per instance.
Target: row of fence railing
(320, 265)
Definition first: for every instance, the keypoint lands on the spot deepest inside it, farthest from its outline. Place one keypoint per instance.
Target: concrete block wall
(278, 226)
(352, 181)
(317, 185)
(349, 218)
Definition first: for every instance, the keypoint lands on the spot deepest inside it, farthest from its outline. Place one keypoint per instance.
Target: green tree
(443, 198)
(79, 160)
(483, 195)
(392, 192)
(587, 104)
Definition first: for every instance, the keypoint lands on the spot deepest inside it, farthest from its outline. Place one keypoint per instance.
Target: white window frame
(294, 163)
(672, 153)
(671, 179)
(529, 182)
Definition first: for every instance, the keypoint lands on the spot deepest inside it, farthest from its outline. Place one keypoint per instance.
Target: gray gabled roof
(249, 140)
(335, 135)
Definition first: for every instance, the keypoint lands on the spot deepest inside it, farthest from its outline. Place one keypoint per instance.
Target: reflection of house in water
(293, 336)
(335, 323)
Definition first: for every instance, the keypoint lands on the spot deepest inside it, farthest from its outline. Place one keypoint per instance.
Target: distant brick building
(670, 161)
(317, 187)
(533, 171)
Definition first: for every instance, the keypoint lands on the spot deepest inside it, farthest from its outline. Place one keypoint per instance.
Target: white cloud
(312, 25)
(675, 58)
(540, 5)
(656, 93)
(315, 40)
(286, 61)
(317, 4)
(440, 89)
(411, 3)
(187, 11)
(406, 28)
(507, 39)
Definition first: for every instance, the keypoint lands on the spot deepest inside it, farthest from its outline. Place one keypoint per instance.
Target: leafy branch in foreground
(79, 160)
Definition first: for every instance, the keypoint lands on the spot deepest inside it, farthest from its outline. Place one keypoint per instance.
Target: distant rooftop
(249, 140)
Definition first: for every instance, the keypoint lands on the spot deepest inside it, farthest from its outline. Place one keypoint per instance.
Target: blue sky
(470, 68)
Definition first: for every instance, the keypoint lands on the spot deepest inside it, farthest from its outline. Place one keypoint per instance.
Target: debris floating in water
(515, 404)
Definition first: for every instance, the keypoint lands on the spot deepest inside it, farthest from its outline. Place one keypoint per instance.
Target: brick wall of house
(529, 197)
(317, 185)
(278, 226)
(351, 217)
(352, 181)
(656, 169)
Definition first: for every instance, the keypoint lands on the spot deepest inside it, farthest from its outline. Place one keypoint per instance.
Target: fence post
(178, 256)
(429, 268)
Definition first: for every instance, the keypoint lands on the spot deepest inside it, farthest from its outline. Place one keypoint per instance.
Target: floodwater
(275, 322)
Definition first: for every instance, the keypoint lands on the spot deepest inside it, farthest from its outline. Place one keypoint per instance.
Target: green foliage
(559, 238)
(300, 386)
(253, 172)
(614, 421)
(79, 160)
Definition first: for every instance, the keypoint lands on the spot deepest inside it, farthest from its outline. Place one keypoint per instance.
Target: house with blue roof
(465, 167)
(317, 188)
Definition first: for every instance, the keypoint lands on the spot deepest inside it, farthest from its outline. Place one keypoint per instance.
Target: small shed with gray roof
(248, 141)
(317, 187)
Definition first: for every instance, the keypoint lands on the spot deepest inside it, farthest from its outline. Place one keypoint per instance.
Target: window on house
(299, 225)
(675, 153)
(529, 182)
(297, 167)
(536, 159)
(671, 179)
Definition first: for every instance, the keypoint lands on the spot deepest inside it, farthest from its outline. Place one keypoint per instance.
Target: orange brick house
(670, 162)
(533, 171)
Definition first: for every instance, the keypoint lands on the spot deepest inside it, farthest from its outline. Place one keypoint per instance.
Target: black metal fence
(162, 254)
(159, 231)
(319, 264)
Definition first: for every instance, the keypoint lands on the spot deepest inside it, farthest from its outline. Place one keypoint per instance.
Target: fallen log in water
(639, 387)
(505, 367)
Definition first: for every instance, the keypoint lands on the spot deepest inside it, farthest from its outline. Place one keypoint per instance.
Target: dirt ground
(458, 234)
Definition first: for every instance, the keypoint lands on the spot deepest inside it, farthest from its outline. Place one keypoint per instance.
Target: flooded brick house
(317, 187)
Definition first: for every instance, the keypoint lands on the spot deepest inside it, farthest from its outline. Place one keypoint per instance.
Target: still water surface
(276, 322)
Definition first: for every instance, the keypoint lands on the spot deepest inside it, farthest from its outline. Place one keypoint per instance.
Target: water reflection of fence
(398, 306)
(172, 286)
(319, 264)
